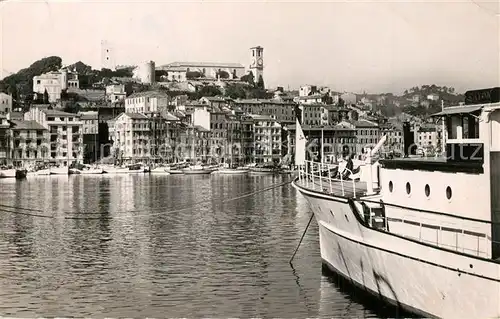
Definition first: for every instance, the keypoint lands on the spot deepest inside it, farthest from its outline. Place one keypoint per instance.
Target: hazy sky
(373, 46)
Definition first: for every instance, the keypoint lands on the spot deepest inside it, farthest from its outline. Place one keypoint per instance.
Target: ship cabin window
(448, 192)
(462, 126)
(427, 190)
(408, 188)
(391, 186)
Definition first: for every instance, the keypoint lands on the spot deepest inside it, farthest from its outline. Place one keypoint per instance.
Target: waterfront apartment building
(219, 137)
(147, 102)
(267, 139)
(338, 141)
(28, 143)
(130, 134)
(65, 133)
(90, 135)
(4, 140)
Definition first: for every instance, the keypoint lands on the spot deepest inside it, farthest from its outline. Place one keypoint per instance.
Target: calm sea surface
(163, 246)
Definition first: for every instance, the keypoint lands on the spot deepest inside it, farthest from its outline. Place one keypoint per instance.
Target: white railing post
(354, 187)
(463, 246)
(477, 245)
(330, 180)
(320, 172)
(342, 183)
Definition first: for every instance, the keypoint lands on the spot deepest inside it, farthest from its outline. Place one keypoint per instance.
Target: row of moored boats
(181, 168)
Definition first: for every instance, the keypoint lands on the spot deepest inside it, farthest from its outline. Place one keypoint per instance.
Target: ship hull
(417, 277)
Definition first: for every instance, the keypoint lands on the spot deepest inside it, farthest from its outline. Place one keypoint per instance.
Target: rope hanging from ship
(39, 213)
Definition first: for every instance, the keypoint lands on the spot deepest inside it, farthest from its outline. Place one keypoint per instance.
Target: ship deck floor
(334, 187)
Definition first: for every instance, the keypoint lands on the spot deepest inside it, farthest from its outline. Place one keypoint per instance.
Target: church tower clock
(257, 62)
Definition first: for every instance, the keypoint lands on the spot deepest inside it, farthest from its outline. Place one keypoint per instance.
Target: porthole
(427, 190)
(391, 186)
(449, 193)
(408, 188)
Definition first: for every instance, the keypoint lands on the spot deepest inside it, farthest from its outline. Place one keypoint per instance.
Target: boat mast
(443, 131)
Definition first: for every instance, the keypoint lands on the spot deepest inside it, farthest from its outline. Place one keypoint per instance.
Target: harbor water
(164, 246)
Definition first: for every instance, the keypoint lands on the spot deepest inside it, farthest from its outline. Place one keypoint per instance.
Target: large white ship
(423, 234)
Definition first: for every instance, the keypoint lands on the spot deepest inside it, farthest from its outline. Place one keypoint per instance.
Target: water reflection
(159, 246)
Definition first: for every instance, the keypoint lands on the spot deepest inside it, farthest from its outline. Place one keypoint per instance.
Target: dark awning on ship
(459, 110)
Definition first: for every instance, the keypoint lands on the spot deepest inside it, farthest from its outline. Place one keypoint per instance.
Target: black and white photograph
(250, 159)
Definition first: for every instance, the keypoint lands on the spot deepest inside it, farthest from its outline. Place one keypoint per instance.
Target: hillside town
(199, 112)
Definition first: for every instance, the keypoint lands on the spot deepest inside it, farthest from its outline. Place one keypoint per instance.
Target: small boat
(59, 170)
(176, 168)
(88, 170)
(262, 170)
(8, 173)
(160, 170)
(115, 170)
(41, 172)
(197, 169)
(233, 171)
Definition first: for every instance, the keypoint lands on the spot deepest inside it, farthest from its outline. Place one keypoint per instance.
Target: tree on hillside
(222, 74)
(249, 78)
(260, 82)
(45, 97)
(193, 75)
(236, 91)
(341, 102)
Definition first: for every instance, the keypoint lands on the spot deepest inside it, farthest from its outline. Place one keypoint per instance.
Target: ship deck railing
(477, 242)
(318, 177)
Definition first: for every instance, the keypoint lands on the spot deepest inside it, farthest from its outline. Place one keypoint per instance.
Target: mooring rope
(19, 210)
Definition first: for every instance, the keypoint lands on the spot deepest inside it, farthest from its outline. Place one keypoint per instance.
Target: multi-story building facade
(428, 138)
(4, 140)
(65, 134)
(334, 114)
(202, 144)
(131, 135)
(394, 141)
(55, 82)
(90, 135)
(5, 103)
(147, 102)
(338, 141)
(367, 133)
(218, 127)
(267, 139)
(115, 92)
(247, 139)
(312, 114)
(234, 140)
(283, 112)
(28, 143)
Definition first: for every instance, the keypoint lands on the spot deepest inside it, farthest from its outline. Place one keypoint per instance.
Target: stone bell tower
(257, 62)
